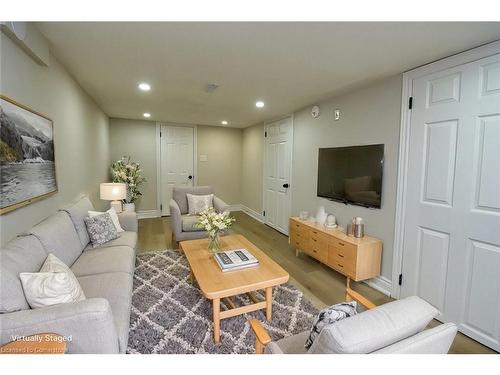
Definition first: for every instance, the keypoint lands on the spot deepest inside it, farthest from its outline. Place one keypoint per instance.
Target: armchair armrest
(128, 221)
(219, 205)
(262, 337)
(88, 325)
(175, 215)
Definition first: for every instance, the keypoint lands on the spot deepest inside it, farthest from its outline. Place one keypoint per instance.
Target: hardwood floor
(319, 283)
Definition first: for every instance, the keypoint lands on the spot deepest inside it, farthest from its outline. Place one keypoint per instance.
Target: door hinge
(410, 102)
(160, 134)
(265, 134)
(263, 213)
(400, 279)
(161, 207)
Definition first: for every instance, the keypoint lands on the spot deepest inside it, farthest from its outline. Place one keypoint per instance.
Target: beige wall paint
(81, 133)
(137, 139)
(222, 169)
(368, 116)
(251, 168)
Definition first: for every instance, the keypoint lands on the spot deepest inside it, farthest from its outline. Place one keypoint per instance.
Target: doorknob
(190, 177)
(286, 186)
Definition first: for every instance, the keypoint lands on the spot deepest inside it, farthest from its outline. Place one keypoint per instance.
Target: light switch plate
(336, 114)
(203, 158)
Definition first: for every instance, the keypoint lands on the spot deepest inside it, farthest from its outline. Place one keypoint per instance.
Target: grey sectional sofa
(98, 324)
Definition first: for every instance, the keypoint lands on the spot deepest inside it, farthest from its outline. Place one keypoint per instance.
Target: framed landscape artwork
(27, 158)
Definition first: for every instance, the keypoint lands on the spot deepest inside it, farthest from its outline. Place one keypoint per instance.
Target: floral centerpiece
(130, 173)
(214, 223)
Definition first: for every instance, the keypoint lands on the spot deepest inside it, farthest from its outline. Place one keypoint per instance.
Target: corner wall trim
(252, 213)
(148, 214)
(382, 284)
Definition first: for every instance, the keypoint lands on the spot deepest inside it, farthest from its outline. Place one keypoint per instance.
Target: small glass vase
(214, 243)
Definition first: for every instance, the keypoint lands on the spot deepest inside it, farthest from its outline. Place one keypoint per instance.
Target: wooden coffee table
(216, 285)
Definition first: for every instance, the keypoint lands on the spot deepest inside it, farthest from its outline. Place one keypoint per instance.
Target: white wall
(81, 132)
(251, 168)
(137, 139)
(368, 116)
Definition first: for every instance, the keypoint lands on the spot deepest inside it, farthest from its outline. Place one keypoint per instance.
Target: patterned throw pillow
(199, 203)
(328, 316)
(101, 229)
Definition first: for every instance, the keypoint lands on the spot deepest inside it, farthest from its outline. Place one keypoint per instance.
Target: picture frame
(27, 156)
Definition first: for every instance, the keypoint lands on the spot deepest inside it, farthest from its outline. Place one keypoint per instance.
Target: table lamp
(113, 192)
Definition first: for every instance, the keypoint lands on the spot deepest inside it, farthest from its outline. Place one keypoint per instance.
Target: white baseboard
(382, 284)
(252, 213)
(148, 214)
(234, 207)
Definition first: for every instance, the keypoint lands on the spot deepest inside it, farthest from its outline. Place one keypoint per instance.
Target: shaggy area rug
(169, 315)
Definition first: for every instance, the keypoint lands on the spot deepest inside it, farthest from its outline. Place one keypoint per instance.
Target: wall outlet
(336, 114)
(203, 158)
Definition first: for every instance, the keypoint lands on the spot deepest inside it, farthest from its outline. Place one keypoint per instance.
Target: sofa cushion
(105, 260)
(376, 328)
(22, 254)
(77, 213)
(188, 223)
(179, 195)
(125, 239)
(116, 287)
(58, 236)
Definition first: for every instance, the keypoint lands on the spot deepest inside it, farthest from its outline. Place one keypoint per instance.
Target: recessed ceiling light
(147, 115)
(259, 104)
(144, 86)
(224, 122)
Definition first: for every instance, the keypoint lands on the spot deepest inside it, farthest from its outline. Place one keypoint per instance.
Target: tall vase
(129, 207)
(214, 243)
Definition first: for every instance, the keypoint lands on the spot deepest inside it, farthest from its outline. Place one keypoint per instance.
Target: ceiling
(287, 65)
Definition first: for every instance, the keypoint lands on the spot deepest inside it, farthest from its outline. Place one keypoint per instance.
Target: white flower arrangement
(130, 173)
(214, 223)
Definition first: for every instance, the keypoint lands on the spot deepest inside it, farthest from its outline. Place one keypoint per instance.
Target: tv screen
(352, 175)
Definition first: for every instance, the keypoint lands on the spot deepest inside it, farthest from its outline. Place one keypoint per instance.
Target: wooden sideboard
(356, 258)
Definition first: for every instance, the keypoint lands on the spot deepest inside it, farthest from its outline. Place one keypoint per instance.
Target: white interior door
(176, 161)
(451, 255)
(278, 153)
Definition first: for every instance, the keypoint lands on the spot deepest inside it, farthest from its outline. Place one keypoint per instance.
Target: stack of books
(233, 260)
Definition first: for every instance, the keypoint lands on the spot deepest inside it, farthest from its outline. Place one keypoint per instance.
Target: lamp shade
(113, 191)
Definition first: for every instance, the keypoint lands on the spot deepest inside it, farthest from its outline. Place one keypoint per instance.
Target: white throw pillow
(199, 203)
(54, 284)
(114, 218)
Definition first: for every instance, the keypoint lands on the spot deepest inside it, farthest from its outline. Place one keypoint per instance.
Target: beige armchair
(396, 327)
(183, 227)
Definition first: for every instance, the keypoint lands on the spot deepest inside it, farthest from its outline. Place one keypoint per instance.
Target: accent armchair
(183, 225)
(396, 327)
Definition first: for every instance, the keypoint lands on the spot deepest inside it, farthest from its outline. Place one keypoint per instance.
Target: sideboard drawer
(342, 245)
(346, 268)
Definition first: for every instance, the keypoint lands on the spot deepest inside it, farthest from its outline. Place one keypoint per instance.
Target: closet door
(452, 228)
(177, 161)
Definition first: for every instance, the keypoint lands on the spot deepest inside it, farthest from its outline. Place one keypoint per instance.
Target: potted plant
(130, 173)
(214, 223)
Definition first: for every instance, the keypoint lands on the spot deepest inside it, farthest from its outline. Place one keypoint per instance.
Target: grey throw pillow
(330, 315)
(101, 229)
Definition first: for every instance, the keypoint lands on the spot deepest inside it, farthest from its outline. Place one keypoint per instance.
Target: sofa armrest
(219, 205)
(87, 325)
(128, 221)
(176, 217)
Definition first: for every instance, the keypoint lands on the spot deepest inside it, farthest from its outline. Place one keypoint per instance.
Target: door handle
(190, 177)
(286, 186)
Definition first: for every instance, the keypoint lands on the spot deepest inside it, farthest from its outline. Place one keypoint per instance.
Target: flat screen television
(352, 175)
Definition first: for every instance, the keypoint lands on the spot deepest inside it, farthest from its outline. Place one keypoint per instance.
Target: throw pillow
(101, 229)
(54, 284)
(114, 217)
(199, 203)
(328, 316)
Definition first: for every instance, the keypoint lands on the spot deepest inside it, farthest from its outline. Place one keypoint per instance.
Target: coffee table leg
(269, 303)
(216, 312)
